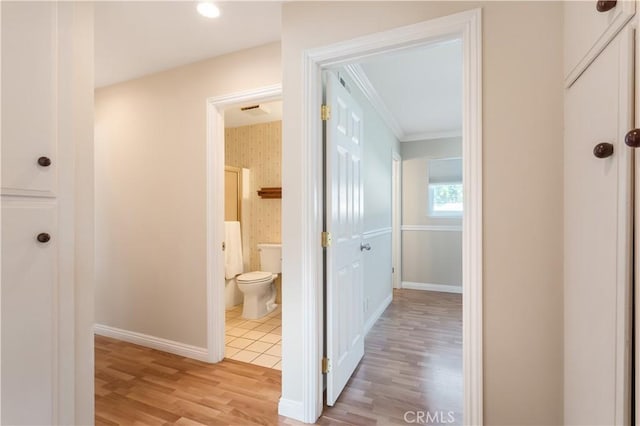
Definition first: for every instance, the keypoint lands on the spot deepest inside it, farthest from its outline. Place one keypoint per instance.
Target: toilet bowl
(258, 288)
(259, 293)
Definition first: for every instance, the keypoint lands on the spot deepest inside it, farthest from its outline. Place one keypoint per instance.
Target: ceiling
(269, 111)
(136, 38)
(418, 92)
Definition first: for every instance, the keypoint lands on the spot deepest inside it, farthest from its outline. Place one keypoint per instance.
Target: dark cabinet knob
(44, 161)
(603, 150)
(632, 138)
(43, 237)
(605, 5)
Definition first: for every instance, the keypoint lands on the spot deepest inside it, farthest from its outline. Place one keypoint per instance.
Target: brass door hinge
(325, 112)
(326, 239)
(326, 365)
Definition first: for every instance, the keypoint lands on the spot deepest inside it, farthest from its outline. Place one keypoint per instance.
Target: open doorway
(252, 249)
(466, 27)
(243, 231)
(409, 102)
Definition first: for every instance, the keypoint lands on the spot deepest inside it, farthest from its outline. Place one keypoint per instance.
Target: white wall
(522, 123)
(429, 256)
(150, 192)
(378, 144)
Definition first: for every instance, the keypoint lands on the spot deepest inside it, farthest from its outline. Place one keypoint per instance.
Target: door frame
(396, 218)
(215, 210)
(468, 27)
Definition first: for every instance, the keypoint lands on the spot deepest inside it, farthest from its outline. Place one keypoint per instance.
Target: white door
(29, 326)
(344, 327)
(598, 238)
(31, 350)
(29, 159)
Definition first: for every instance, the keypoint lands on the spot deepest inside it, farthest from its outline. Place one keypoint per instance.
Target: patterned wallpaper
(259, 148)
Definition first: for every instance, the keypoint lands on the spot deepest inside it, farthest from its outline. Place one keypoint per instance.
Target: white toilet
(257, 287)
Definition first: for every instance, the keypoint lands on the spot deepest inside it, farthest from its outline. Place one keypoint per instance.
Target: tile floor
(254, 341)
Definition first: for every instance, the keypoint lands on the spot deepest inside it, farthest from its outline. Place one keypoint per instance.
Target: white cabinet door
(29, 277)
(587, 31)
(598, 231)
(29, 60)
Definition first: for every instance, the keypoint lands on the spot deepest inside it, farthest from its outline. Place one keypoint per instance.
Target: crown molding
(359, 77)
(361, 80)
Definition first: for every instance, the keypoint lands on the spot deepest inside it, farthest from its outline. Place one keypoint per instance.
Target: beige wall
(434, 256)
(415, 166)
(150, 192)
(259, 149)
(522, 124)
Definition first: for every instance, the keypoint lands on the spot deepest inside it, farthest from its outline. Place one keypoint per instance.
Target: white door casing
(344, 204)
(598, 231)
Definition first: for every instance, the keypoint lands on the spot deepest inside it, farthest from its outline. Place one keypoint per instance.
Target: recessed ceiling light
(208, 10)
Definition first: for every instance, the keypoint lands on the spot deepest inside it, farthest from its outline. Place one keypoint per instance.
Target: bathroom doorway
(244, 182)
(253, 296)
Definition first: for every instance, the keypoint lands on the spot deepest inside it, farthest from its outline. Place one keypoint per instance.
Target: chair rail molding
(446, 228)
(466, 26)
(376, 233)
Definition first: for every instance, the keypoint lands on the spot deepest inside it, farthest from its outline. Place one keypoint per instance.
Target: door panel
(587, 31)
(29, 276)
(29, 97)
(598, 240)
(345, 328)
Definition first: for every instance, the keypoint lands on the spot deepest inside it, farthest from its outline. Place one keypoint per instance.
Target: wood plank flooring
(413, 362)
(140, 386)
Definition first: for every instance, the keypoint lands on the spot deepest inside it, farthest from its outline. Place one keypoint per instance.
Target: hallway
(412, 362)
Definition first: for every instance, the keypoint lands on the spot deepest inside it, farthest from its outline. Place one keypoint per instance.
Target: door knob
(43, 237)
(632, 138)
(366, 247)
(605, 5)
(603, 150)
(44, 161)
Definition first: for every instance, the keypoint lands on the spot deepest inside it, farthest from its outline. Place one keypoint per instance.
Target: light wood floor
(412, 362)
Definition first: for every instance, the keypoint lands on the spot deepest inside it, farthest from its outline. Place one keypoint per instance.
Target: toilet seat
(255, 277)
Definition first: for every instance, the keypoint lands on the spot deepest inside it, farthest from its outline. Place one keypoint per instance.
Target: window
(445, 187)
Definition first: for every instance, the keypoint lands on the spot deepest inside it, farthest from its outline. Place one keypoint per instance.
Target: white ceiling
(418, 91)
(235, 117)
(135, 38)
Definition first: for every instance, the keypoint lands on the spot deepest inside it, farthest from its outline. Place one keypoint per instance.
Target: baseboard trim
(432, 287)
(292, 409)
(152, 342)
(378, 312)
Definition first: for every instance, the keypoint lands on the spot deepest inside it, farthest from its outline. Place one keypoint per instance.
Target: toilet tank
(270, 257)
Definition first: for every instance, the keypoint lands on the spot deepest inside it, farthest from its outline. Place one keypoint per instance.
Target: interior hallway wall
(522, 190)
(431, 249)
(150, 161)
(259, 148)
